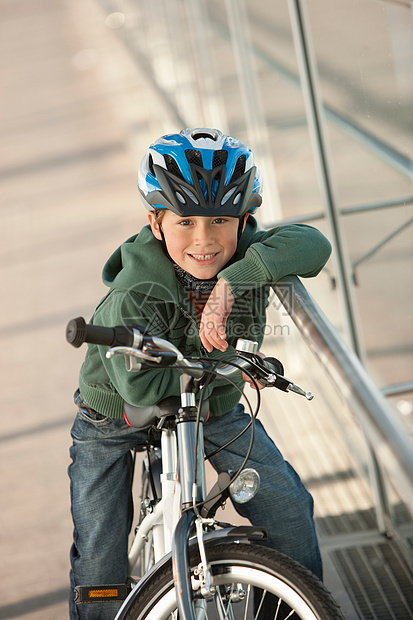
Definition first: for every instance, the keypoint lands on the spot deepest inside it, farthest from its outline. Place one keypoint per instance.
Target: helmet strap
(164, 246)
(240, 229)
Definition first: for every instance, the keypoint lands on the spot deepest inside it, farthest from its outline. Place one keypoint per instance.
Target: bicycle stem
(186, 433)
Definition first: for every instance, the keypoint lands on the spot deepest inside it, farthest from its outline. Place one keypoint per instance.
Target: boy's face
(200, 245)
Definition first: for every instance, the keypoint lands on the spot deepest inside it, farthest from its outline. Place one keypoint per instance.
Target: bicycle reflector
(102, 594)
(245, 486)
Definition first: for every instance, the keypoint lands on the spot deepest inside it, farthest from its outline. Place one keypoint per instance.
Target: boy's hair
(159, 215)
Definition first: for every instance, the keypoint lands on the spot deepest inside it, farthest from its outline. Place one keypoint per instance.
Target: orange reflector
(112, 593)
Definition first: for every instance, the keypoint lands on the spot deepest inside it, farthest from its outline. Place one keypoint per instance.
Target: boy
(199, 275)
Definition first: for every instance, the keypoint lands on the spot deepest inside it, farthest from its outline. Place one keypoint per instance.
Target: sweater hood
(140, 265)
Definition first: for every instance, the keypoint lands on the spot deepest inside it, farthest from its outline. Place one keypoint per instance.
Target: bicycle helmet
(200, 172)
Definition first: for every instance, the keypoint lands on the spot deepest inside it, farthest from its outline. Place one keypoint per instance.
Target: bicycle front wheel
(252, 583)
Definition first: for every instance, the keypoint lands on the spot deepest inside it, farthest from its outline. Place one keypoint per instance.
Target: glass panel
(364, 58)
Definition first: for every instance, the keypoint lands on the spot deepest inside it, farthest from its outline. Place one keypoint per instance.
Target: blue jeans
(101, 474)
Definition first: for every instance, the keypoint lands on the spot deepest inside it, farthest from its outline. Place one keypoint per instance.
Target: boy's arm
(146, 387)
(214, 317)
(295, 249)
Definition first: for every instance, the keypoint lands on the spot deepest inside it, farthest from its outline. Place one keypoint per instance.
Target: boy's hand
(249, 380)
(214, 317)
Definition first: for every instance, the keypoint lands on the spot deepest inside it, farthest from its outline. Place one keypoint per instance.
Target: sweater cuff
(246, 274)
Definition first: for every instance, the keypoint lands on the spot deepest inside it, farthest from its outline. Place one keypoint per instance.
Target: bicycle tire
(268, 578)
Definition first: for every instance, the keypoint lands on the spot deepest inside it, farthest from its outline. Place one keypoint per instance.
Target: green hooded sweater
(144, 290)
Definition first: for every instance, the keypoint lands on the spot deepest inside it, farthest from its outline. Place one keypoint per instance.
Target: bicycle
(192, 566)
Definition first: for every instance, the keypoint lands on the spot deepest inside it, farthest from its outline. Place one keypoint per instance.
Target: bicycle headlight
(245, 486)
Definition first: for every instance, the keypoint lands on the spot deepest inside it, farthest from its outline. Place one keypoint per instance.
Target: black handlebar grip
(274, 365)
(78, 332)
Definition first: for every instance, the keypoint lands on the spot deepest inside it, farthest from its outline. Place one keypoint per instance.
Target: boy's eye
(216, 220)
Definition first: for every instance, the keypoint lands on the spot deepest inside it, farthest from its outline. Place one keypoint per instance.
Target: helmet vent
(239, 168)
(194, 157)
(172, 166)
(209, 134)
(219, 158)
(150, 164)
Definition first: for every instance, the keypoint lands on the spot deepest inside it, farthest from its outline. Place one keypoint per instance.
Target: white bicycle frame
(159, 525)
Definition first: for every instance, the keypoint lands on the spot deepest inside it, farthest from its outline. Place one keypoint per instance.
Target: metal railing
(387, 437)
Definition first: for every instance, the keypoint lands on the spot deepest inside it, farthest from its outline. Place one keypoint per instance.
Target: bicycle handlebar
(133, 342)
(78, 332)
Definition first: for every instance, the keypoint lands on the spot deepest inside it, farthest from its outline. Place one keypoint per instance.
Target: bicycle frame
(164, 515)
(171, 528)
(171, 520)
(155, 522)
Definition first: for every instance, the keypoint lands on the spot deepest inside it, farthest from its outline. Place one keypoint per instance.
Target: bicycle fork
(191, 460)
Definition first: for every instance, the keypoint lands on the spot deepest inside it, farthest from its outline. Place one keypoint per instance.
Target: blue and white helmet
(200, 172)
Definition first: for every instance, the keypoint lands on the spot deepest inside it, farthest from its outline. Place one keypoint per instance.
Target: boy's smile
(202, 246)
(204, 259)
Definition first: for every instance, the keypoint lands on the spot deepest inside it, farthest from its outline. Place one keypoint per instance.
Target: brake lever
(131, 352)
(270, 378)
(296, 388)
(284, 384)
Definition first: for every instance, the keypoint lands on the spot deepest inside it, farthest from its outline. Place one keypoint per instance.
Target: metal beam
(388, 437)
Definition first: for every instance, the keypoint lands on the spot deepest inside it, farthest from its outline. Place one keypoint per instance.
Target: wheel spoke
(247, 599)
(264, 592)
(278, 609)
(224, 614)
